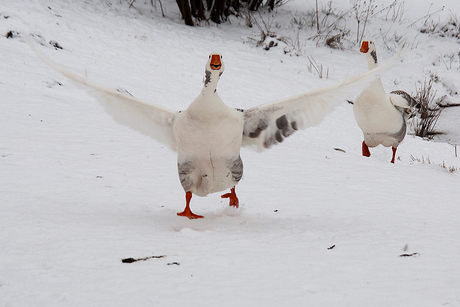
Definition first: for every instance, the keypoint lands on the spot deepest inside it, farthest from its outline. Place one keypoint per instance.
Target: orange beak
(215, 62)
(364, 47)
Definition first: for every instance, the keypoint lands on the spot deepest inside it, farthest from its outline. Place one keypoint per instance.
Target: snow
(316, 226)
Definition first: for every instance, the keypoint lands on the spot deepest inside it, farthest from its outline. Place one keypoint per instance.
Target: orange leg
(366, 152)
(233, 199)
(187, 212)
(394, 154)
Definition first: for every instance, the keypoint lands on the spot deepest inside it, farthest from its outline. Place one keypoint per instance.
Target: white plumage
(208, 135)
(382, 117)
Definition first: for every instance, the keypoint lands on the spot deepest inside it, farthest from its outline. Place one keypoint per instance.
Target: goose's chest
(201, 132)
(375, 113)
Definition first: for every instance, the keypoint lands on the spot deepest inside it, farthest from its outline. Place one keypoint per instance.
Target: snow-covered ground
(316, 226)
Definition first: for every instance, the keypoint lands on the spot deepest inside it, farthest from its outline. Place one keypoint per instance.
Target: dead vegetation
(427, 111)
(423, 160)
(447, 28)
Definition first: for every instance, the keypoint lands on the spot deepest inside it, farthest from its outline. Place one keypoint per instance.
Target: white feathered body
(209, 137)
(377, 117)
(381, 116)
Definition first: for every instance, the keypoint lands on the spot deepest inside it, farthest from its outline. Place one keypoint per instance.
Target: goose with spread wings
(208, 135)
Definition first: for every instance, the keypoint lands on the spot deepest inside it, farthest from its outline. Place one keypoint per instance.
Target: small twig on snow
(131, 260)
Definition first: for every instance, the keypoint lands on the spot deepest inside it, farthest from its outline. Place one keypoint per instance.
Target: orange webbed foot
(187, 212)
(234, 202)
(190, 215)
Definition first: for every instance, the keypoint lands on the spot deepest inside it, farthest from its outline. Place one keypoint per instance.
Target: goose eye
(209, 56)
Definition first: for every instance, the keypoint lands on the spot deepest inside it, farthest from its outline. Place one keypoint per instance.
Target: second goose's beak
(364, 47)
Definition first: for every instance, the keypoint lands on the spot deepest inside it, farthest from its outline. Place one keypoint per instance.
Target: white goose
(208, 135)
(382, 117)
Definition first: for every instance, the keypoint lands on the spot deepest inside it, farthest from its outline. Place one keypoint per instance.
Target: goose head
(213, 70)
(369, 50)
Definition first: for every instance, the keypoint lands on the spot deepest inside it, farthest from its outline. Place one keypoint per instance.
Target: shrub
(427, 111)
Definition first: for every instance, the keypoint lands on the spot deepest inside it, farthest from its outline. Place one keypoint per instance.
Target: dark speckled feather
(411, 101)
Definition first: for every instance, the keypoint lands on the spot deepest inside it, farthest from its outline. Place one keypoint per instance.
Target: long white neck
(208, 102)
(376, 86)
(371, 57)
(210, 82)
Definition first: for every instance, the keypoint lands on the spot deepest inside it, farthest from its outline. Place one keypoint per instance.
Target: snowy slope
(78, 192)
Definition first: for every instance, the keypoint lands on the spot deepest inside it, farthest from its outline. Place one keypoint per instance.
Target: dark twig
(131, 260)
(410, 255)
(317, 17)
(448, 105)
(131, 4)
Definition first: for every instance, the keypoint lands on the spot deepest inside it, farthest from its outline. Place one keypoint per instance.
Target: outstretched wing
(152, 120)
(271, 123)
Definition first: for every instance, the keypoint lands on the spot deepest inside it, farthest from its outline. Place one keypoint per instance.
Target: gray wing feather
(407, 111)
